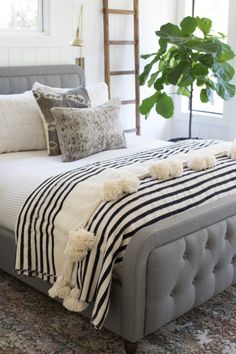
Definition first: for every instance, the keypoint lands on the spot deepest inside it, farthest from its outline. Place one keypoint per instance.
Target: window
(21, 15)
(218, 12)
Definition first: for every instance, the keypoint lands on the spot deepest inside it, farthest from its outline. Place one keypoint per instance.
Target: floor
(35, 324)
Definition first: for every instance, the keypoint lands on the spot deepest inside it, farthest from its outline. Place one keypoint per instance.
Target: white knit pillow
(21, 126)
(97, 91)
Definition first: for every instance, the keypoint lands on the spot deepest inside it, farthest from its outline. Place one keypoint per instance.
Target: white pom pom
(112, 190)
(177, 168)
(63, 292)
(75, 293)
(59, 289)
(160, 170)
(72, 304)
(210, 160)
(130, 184)
(197, 163)
(53, 292)
(80, 242)
(232, 151)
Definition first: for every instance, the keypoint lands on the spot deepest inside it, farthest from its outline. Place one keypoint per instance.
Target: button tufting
(185, 256)
(214, 270)
(172, 293)
(207, 246)
(194, 281)
(226, 236)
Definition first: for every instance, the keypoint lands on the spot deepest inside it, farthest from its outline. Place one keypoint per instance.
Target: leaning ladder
(108, 43)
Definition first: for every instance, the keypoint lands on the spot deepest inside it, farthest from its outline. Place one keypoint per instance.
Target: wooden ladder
(135, 43)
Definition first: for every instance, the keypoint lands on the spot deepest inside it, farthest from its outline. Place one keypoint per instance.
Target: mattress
(22, 172)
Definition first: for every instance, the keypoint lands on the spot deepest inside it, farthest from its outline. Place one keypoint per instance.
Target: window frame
(40, 30)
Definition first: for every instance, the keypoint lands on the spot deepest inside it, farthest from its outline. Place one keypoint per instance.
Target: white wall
(154, 14)
(53, 48)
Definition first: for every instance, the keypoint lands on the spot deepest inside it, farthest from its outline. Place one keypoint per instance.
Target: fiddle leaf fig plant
(189, 54)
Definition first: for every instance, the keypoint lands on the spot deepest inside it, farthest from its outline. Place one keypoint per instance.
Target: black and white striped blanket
(39, 230)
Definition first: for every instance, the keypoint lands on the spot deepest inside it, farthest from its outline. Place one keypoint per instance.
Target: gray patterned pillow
(83, 132)
(77, 98)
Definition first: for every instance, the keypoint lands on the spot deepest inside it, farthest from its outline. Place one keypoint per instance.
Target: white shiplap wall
(53, 47)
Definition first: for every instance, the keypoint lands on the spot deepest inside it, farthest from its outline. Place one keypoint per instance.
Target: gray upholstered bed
(192, 259)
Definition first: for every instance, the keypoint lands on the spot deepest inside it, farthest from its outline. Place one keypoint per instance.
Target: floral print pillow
(77, 98)
(83, 132)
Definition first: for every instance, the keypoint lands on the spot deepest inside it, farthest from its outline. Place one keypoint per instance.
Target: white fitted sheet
(22, 172)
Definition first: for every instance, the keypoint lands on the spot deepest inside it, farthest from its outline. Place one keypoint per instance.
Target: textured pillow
(97, 91)
(85, 132)
(77, 98)
(21, 127)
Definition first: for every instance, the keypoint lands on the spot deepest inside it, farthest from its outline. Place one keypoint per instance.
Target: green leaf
(204, 96)
(188, 25)
(159, 83)
(225, 90)
(204, 24)
(183, 91)
(186, 79)
(210, 84)
(153, 78)
(199, 69)
(206, 59)
(163, 45)
(148, 103)
(205, 46)
(222, 35)
(169, 29)
(146, 56)
(224, 70)
(225, 53)
(175, 73)
(144, 76)
(201, 81)
(165, 105)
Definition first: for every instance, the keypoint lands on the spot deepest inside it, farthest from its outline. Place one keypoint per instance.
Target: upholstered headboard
(20, 79)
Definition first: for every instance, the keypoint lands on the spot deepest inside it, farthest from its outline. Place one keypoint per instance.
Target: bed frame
(169, 267)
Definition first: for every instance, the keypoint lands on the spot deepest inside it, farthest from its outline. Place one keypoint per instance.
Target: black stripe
(162, 217)
(171, 214)
(141, 206)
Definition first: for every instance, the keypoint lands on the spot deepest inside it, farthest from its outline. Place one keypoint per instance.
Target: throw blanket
(68, 234)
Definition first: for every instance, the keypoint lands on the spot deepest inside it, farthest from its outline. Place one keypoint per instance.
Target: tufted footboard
(168, 268)
(174, 266)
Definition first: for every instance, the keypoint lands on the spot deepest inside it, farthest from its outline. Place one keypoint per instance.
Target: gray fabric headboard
(20, 79)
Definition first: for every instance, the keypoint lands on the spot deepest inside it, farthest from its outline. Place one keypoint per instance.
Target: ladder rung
(125, 72)
(121, 42)
(120, 12)
(128, 102)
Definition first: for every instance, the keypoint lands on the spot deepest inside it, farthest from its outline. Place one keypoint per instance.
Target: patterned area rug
(34, 324)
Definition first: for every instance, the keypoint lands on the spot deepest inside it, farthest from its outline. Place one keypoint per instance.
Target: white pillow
(98, 91)
(21, 126)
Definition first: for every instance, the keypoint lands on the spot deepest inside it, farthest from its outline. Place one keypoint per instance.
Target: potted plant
(184, 59)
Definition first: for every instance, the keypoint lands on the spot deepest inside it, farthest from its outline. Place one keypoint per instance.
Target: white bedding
(22, 172)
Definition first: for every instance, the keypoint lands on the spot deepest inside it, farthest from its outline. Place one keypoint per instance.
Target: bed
(192, 259)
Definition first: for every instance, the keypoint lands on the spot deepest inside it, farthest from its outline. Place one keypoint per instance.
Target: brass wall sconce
(78, 41)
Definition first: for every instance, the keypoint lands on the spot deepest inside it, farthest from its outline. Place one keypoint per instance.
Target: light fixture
(78, 41)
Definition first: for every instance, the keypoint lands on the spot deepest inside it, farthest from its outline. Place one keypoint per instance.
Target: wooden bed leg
(130, 348)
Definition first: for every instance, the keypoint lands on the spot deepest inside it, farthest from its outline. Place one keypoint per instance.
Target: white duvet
(22, 172)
